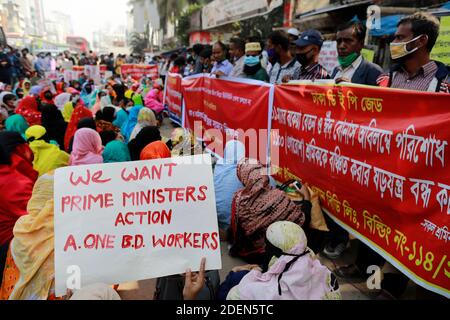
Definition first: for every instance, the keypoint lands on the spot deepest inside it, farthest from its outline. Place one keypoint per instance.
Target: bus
(79, 44)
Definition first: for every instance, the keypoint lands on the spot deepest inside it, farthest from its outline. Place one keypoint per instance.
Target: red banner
(220, 110)
(173, 97)
(377, 159)
(138, 71)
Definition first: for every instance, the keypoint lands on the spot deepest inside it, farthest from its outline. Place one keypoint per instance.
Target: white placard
(328, 57)
(134, 221)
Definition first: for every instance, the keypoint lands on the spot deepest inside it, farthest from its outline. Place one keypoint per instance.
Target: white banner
(220, 12)
(122, 222)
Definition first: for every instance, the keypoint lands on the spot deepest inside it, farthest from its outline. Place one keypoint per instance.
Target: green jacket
(261, 75)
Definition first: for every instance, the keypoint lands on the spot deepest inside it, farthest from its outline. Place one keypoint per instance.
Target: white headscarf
(62, 99)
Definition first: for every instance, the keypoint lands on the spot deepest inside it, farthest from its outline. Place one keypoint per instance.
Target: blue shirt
(224, 66)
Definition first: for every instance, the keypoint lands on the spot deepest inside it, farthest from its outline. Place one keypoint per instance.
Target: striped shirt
(420, 81)
(278, 72)
(314, 72)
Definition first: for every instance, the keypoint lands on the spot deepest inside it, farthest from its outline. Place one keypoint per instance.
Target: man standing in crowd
(355, 69)
(352, 66)
(237, 55)
(413, 70)
(196, 50)
(285, 67)
(307, 54)
(253, 68)
(222, 67)
(27, 63)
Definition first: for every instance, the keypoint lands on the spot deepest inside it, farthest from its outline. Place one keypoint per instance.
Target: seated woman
(31, 274)
(226, 183)
(87, 148)
(17, 123)
(132, 120)
(146, 118)
(183, 143)
(155, 150)
(143, 139)
(104, 121)
(154, 99)
(17, 178)
(80, 112)
(256, 207)
(116, 151)
(291, 271)
(53, 122)
(28, 108)
(47, 157)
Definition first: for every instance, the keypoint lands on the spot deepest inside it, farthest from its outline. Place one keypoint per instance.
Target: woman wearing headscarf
(131, 122)
(36, 91)
(31, 259)
(291, 271)
(87, 93)
(122, 115)
(53, 122)
(143, 139)
(154, 99)
(226, 182)
(105, 118)
(102, 100)
(62, 99)
(17, 123)
(26, 87)
(46, 96)
(256, 207)
(155, 150)
(133, 95)
(87, 148)
(17, 178)
(80, 112)
(60, 87)
(184, 143)
(116, 151)
(47, 157)
(69, 106)
(146, 118)
(29, 109)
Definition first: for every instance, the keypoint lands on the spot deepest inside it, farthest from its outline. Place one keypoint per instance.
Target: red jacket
(16, 186)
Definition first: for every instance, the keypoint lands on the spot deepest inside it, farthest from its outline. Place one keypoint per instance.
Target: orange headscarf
(155, 150)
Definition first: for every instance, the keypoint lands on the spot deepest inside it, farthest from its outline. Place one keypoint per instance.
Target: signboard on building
(221, 12)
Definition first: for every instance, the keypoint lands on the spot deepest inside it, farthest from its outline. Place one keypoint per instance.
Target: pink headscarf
(87, 148)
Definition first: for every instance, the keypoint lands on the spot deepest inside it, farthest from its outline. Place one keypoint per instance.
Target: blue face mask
(251, 61)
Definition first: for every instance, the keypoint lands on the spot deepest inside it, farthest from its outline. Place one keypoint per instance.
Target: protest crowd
(51, 123)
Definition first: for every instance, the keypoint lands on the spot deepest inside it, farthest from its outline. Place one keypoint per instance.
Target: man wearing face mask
(285, 67)
(253, 68)
(414, 40)
(308, 48)
(410, 51)
(352, 66)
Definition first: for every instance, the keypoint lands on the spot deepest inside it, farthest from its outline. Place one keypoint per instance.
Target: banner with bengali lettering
(137, 71)
(173, 97)
(378, 159)
(219, 110)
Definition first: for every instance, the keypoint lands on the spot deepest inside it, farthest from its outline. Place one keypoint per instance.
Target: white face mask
(400, 50)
